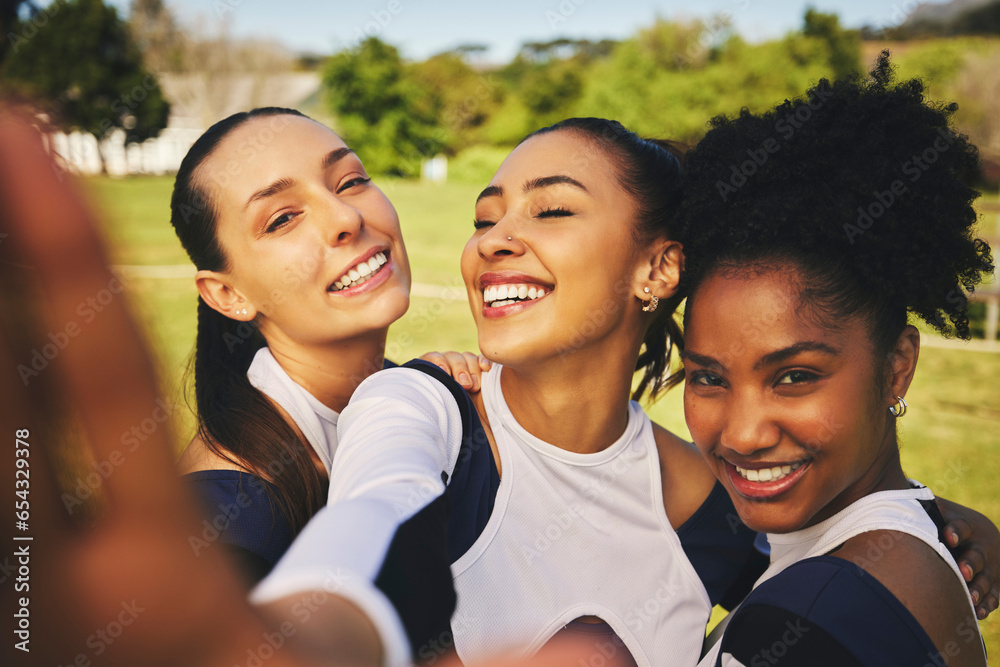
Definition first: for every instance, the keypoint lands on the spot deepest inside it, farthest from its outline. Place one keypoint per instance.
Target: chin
(765, 517)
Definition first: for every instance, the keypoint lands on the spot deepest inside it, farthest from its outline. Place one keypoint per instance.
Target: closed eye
(556, 212)
(481, 224)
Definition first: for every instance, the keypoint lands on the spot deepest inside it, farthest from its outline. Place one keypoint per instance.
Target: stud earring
(899, 409)
(243, 312)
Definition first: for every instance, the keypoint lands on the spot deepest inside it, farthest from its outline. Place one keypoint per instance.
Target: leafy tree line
(667, 80)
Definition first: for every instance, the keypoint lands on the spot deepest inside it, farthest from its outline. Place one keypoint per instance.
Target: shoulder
(199, 456)
(825, 611)
(922, 582)
(687, 481)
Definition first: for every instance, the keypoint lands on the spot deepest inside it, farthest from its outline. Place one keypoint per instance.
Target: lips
(507, 292)
(363, 270)
(761, 482)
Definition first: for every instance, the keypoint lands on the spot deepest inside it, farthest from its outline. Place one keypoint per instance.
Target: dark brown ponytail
(235, 420)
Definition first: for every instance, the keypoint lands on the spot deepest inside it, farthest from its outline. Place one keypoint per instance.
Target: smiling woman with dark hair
(799, 357)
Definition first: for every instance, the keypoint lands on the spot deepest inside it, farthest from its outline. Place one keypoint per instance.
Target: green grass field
(949, 437)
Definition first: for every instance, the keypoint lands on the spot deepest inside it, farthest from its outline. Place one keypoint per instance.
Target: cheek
(705, 419)
(470, 260)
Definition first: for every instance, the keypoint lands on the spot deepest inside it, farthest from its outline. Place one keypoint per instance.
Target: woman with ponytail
(301, 270)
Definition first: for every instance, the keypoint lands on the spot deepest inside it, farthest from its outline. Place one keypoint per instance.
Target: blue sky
(424, 27)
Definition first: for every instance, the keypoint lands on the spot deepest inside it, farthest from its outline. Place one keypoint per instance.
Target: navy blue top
(827, 611)
(238, 513)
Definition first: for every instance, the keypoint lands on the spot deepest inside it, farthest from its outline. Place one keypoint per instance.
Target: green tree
(381, 110)
(844, 45)
(85, 67)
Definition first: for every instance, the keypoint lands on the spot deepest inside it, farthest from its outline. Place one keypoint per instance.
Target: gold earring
(654, 301)
(899, 409)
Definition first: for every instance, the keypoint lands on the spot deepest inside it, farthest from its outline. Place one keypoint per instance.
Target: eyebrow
(283, 184)
(778, 356)
(534, 184)
(491, 191)
(769, 359)
(545, 182)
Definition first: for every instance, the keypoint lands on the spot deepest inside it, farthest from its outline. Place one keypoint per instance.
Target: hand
(467, 368)
(976, 540)
(125, 589)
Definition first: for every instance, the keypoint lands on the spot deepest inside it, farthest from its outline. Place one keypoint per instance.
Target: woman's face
(550, 269)
(313, 245)
(786, 412)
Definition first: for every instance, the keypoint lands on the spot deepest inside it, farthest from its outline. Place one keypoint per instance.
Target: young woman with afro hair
(802, 268)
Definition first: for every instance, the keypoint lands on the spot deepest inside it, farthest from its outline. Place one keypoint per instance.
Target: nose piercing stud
(509, 238)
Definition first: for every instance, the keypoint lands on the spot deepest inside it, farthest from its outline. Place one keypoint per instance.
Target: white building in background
(196, 102)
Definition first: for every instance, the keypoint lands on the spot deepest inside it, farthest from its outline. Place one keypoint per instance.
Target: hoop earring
(899, 409)
(654, 301)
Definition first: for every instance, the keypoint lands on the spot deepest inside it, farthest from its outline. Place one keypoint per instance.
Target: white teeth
(362, 272)
(767, 474)
(494, 294)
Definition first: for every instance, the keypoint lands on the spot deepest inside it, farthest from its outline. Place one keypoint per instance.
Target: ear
(903, 362)
(219, 293)
(660, 270)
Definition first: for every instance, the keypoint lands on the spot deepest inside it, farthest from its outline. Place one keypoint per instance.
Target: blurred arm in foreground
(126, 589)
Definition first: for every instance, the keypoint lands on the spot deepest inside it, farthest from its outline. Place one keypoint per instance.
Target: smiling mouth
(362, 273)
(497, 296)
(768, 474)
(763, 484)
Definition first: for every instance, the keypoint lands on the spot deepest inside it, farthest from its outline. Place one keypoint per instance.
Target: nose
(500, 240)
(748, 428)
(340, 222)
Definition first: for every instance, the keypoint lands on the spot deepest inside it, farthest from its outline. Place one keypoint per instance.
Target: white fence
(81, 153)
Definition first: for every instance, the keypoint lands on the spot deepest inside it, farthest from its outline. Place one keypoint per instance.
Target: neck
(577, 401)
(885, 474)
(332, 371)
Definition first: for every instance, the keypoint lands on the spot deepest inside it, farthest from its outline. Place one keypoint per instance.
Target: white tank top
(576, 535)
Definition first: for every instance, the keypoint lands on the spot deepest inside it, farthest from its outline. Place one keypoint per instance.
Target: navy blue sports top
(239, 514)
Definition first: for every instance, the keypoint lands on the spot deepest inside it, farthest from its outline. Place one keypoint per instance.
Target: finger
(460, 368)
(971, 562)
(979, 588)
(438, 360)
(103, 365)
(956, 531)
(989, 605)
(484, 363)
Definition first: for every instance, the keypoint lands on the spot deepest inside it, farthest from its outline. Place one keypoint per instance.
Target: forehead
(760, 311)
(561, 152)
(263, 150)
